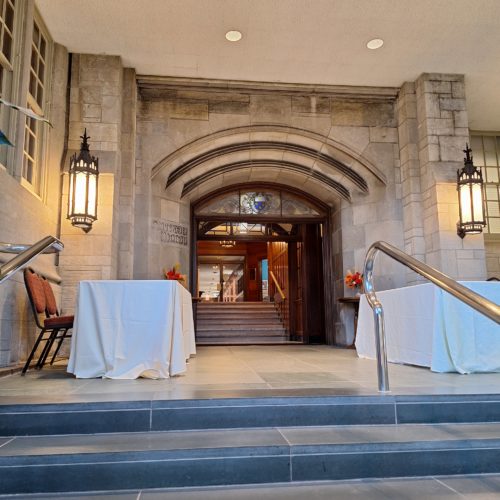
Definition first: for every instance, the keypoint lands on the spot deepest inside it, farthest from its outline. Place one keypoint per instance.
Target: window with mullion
(7, 27)
(486, 153)
(35, 101)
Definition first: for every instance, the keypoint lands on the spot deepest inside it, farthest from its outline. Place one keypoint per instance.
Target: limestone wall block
(458, 90)
(221, 121)
(90, 94)
(356, 137)
(90, 111)
(170, 210)
(364, 214)
(407, 133)
(321, 124)
(190, 110)
(311, 104)
(436, 87)
(471, 268)
(451, 104)
(111, 109)
(450, 148)
(229, 107)
(438, 126)
(384, 134)
(346, 113)
(270, 108)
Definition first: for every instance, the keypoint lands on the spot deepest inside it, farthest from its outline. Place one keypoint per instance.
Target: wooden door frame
(327, 250)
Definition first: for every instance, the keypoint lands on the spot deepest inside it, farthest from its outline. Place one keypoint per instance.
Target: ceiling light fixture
(376, 43)
(233, 36)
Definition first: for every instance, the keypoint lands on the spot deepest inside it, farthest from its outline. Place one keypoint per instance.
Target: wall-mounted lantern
(83, 180)
(470, 197)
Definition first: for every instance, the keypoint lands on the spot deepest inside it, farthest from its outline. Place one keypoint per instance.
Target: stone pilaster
(95, 104)
(442, 133)
(414, 241)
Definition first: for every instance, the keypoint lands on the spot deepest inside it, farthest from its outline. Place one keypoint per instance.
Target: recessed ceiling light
(233, 36)
(376, 43)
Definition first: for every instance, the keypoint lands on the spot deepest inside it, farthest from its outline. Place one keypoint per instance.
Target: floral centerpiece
(174, 273)
(353, 279)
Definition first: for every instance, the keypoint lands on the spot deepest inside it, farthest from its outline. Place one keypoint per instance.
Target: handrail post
(378, 318)
(462, 293)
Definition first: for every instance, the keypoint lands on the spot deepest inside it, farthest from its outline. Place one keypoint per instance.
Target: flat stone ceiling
(295, 41)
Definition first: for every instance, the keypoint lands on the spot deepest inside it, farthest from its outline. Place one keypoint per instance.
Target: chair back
(50, 299)
(36, 294)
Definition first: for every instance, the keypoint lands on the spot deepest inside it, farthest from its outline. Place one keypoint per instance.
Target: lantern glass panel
(92, 205)
(477, 201)
(80, 193)
(465, 205)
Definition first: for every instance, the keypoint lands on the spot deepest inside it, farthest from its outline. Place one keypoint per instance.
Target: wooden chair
(52, 325)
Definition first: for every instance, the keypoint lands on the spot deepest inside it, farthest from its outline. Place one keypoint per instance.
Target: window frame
(482, 165)
(38, 186)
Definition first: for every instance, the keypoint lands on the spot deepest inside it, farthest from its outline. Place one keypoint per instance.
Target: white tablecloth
(128, 329)
(426, 326)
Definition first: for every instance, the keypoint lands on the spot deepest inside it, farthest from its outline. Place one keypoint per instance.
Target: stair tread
(303, 439)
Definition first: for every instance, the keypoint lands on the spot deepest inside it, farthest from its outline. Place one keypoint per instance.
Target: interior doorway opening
(261, 246)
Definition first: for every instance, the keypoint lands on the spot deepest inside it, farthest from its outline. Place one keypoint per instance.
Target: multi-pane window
(35, 101)
(7, 23)
(486, 153)
(7, 9)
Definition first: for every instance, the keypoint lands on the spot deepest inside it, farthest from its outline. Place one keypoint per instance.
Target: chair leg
(46, 349)
(65, 331)
(32, 353)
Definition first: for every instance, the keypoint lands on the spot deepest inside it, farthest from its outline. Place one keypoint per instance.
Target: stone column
(414, 242)
(442, 133)
(95, 104)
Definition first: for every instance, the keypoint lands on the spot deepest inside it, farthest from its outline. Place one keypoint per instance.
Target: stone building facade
(163, 143)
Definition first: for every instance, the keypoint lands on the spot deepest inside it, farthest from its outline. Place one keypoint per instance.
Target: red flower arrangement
(353, 280)
(174, 274)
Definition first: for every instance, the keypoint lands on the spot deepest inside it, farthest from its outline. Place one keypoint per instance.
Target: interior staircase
(133, 445)
(238, 323)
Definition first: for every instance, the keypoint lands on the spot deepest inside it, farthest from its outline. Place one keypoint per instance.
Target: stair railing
(280, 302)
(462, 293)
(26, 253)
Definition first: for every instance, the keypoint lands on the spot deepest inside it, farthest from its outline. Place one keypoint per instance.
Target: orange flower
(353, 280)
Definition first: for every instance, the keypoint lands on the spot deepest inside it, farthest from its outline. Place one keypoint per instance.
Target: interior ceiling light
(233, 36)
(376, 43)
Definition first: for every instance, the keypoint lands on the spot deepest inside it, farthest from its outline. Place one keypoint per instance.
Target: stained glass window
(258, 203)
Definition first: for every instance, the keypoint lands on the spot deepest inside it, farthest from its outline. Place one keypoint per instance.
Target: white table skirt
(426, 326)
(128, 329)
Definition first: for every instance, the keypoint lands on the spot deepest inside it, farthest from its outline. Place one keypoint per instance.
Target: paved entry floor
(251, 371)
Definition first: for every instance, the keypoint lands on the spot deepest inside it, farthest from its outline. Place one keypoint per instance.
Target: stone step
(126, 461)
(239, 319)
(236, 315)
(239, 330)
(234, 318)
(244, 340)
(236, 306)
(273, 409)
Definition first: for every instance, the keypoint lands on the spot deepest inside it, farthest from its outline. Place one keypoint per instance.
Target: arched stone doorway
(266, 242)
(342, 178)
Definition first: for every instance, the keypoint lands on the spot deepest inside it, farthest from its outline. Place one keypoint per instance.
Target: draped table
(427, 326)
(129, 329)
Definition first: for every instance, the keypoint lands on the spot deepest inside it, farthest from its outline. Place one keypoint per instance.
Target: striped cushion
(35, 287)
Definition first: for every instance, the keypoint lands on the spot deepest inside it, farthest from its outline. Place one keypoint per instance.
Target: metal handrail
(280, 291)
(26, 253)
(462, 293)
